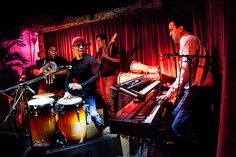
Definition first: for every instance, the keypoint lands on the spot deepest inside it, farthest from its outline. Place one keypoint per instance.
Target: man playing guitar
(108, 57)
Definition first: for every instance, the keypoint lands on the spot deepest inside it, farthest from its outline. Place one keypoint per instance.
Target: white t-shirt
(201, 75)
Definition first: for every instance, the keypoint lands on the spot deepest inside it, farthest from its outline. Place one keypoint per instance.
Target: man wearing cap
(85, 71)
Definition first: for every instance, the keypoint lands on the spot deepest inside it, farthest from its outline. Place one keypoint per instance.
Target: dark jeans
(94, 114)
(193, 110)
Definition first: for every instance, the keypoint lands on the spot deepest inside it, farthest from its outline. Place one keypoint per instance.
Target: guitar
(106, 50)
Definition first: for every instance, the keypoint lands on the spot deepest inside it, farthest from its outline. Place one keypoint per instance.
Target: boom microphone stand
(21, 92)
(189, 61)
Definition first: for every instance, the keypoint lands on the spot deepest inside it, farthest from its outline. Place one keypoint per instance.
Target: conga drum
(153, 70)
(72, 119)
(42, 121)
(138, 67)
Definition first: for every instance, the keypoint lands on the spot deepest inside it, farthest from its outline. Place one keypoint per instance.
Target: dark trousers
(193, 112)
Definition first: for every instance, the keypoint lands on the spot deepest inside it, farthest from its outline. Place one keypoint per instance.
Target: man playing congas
(81, 79)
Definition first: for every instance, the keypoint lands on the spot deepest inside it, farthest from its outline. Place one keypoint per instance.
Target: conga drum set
(47, 117)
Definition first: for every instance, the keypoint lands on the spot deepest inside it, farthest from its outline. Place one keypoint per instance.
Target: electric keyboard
(137, 88)
(140, 118)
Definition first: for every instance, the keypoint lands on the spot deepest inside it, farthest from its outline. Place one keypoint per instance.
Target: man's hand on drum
(67, 95)
(75, 86)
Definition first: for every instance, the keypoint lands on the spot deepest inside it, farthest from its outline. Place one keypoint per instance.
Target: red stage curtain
(141, 37)
(144, 36)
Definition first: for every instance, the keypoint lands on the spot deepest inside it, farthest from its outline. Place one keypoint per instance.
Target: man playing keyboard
(195, 102)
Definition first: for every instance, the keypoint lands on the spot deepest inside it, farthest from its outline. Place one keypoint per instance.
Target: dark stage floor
(105, 146)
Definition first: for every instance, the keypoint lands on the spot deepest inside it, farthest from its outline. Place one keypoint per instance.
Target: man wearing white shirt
(197, 97)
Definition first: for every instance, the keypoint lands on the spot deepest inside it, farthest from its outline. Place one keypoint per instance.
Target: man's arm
(63, 62)
(68, 80)
(179, 82)
(38, 72)
(95, 72)
(114, 54)
(39, 69)
(113, 59)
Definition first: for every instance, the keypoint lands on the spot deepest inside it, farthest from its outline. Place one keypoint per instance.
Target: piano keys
(142, 118)
(147, 89)
(138, 87)
(151, 116)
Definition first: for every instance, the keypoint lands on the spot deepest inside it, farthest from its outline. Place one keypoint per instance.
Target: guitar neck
(110, 43)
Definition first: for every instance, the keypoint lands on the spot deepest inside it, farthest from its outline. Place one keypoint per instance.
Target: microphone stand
(189, 94)
(22, 90)
(189, 60)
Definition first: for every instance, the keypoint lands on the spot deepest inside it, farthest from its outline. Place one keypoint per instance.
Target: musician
(53, 83)
(108, 57)
(81, 79)
(195, 102)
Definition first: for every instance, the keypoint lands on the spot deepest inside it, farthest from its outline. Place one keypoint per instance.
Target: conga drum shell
(153, 70)
(43, 128)
(42, 121)
(154, 76)
(137, 67)
(72, 120)
(72, 125)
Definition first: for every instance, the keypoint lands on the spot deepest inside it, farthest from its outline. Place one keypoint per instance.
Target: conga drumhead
(72, 101)
(43, 95)
(40, 101)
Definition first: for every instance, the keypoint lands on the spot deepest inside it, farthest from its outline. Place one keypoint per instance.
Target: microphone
(62, 67)
(169, 55)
